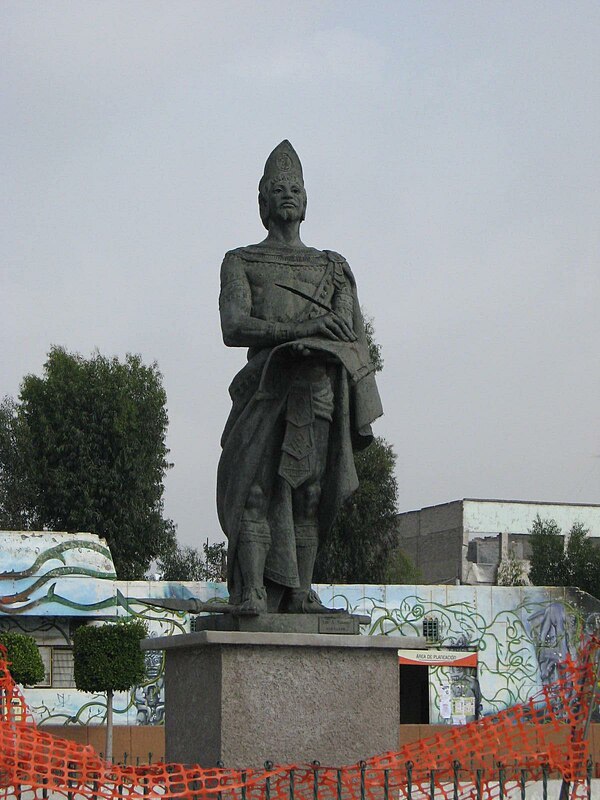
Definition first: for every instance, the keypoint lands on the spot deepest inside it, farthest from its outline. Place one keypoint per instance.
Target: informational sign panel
(438, 658)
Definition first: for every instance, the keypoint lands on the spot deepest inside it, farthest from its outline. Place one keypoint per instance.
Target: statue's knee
(312, 495)
(256, 502)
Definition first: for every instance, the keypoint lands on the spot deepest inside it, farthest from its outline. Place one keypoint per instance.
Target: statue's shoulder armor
(237, 252)
(340, 265)
(232, 268)
(335, 257)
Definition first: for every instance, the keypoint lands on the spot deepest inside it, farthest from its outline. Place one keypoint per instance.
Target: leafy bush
(108, 657)
(25, 662)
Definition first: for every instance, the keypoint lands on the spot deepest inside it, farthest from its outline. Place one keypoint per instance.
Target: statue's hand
(301, 349)
(329, 325)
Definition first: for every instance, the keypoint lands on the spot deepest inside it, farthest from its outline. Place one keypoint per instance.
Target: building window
(58, 667)
(46, 654)
(63, 676)
(431, 629)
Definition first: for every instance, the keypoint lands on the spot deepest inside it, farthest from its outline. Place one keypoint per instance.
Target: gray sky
(450, 152)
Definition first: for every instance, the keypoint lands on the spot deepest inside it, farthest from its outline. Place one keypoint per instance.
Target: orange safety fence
(546, 737)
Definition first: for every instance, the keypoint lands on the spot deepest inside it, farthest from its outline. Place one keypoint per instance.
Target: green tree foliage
(17, 495)
(187, 563)
(181, 564)
(554, 563)
(547, 562)
(108, 659)
(84, 449)
(374, 347)
(363, 538)
(511, 571)
(215, 561)
(25, 662)
(400, 569)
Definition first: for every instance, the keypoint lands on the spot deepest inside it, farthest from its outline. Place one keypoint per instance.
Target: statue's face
(286, 200)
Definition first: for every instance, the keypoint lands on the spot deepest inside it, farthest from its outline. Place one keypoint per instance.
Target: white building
(463, 541)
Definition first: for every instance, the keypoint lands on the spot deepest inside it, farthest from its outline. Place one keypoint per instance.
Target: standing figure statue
(303, 402)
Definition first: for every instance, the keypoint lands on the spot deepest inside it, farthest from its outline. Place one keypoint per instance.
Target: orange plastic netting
(546, 737)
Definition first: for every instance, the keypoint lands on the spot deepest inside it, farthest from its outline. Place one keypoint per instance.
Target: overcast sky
(450, 152)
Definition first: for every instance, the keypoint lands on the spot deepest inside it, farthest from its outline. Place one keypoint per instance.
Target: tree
(84, 449)
(511, 571)
(547, 562)
(556, 563)
(181, 564)
(24, 660)
(400, 569)
(108, 659)
(583, 560)
(215, 561)
(187, 564)
(363, 537)
(374, 347)
(17, 498)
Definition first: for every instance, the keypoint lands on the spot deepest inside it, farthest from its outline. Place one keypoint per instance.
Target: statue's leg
(253, 546)
(306, 509)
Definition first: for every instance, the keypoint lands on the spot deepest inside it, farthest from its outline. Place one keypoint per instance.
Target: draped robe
(260, 392)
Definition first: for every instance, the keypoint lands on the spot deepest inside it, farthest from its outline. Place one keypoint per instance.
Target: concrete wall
(485, 517)
(145, 745)
(433, 539)
(498, 622)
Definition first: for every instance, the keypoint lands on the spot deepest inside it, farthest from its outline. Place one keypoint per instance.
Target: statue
(300, 406)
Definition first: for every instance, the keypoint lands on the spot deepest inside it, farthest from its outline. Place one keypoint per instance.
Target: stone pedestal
(243, 698)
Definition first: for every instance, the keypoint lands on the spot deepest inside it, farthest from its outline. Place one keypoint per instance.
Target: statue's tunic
(278, 394)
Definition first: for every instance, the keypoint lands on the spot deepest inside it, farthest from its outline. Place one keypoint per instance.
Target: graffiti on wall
(521, 634)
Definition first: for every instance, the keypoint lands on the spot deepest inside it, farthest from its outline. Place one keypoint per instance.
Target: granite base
(244, 698)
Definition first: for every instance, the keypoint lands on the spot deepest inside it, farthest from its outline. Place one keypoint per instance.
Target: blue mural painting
(56, 581)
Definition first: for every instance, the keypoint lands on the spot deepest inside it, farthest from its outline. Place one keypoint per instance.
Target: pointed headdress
(282, 163)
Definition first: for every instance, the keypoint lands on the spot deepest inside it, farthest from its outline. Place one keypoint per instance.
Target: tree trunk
(109, 725)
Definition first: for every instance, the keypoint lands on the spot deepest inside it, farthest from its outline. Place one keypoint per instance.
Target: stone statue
(303, 402)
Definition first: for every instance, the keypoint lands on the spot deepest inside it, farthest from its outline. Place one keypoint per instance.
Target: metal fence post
(363, 767)
(268, 766)
(479, 783)
(522, 779)
(409, 769)
(544, 781)
(315, 766)
(70, 769)
(455, 769)
(292, 787)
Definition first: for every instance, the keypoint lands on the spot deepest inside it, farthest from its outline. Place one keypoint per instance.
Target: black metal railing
(316, 782)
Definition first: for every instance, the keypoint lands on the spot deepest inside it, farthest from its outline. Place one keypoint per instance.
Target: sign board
(438, 658)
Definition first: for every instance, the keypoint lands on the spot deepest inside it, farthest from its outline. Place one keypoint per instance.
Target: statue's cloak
(259, 393)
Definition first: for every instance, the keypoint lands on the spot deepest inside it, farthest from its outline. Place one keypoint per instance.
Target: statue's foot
(308, 603)
(254, 602)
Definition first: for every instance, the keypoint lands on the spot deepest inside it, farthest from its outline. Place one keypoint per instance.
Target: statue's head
(281, 189)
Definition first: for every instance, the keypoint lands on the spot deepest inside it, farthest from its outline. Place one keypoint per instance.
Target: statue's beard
(289, 214)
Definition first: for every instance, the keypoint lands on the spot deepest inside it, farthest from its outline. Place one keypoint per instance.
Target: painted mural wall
(55, 582)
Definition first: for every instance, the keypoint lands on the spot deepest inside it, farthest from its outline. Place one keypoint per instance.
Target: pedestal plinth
(243, 698)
